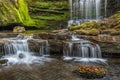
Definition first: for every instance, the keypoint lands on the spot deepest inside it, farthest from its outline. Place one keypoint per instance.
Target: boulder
(3, 61)
(39, 46)
(18, 29)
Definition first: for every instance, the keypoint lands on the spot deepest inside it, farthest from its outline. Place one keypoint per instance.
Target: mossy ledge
(49, 14)
(110, 25)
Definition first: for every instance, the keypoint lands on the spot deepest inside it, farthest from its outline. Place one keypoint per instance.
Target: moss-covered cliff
(49, 14)
(14, 11)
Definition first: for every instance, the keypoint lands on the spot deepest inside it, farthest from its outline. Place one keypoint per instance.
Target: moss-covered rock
(109, 25)
(93, 31)
(86, 25)
(14, 11)
(89, 25)
(72, 28)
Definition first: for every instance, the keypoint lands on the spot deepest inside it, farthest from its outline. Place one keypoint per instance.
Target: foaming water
(86, 60)
(17, 51)
(25, 58)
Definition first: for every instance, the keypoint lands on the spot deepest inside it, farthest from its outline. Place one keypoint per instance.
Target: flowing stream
(17, 51)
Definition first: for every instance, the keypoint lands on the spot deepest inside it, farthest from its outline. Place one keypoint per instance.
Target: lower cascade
(17, 51)
(82, 50)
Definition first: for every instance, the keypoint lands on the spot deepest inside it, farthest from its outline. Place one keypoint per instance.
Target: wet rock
(21, 55)
(108, 43)
(55, 39)
(19, 29)
(8, 35)
(2, 42)
(56, 46)
(39, 46)
(52, 35)
(20, 36)
(3, 61)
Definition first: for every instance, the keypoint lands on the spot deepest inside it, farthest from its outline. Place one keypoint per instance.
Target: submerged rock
(21, 55)
(4, 61)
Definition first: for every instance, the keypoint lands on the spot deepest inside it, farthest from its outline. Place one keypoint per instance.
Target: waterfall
(82, 50)
(43, 49)
(17, 51)
(16, 46)
(85, 10)
(106, 8)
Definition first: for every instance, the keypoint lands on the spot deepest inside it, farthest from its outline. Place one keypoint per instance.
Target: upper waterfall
(86, 10)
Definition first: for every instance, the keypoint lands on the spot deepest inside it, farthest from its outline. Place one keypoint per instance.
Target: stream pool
(56, 69)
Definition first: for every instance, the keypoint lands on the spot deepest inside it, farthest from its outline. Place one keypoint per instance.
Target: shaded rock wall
(112, 7)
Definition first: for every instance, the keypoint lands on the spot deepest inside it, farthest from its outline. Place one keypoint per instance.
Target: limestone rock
(19, 29)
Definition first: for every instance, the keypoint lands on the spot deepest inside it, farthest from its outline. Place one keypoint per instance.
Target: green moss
(36, 31)
(89, 25)
(86, 25)
(50, 5)
(48, 14)
(23, 13)
(93, 31)
(15, 12)
(71, 28)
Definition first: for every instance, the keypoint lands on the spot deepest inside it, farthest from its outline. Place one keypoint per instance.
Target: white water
(82, 50)
(85, 10)
(17, 52)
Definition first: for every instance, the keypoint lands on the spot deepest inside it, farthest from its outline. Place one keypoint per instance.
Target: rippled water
(54, 70)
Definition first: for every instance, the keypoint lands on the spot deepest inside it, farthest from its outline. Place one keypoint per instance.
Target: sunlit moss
(15, 12)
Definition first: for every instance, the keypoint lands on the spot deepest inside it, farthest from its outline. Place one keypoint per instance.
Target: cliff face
(14, 11)
(49, 14)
